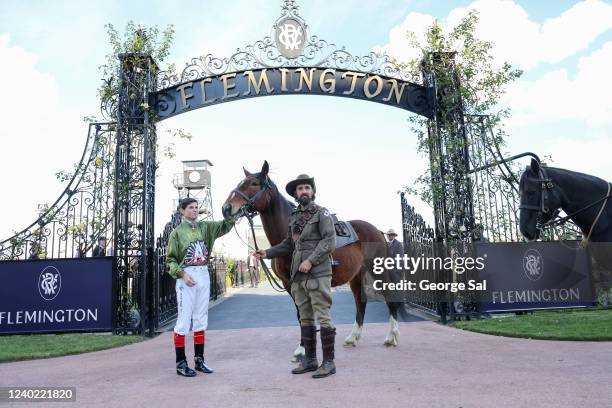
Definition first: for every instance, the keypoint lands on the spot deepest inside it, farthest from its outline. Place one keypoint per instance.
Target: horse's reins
(273, 282)
(248, 210)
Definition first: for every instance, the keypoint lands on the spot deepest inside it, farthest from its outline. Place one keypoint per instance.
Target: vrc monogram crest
(533, 264)
(290, 37)
(49, 283)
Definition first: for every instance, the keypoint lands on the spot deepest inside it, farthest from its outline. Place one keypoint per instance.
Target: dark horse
(585, 199)
(354, 260)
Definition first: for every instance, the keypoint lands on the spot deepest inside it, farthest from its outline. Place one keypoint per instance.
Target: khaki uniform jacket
(316, 243)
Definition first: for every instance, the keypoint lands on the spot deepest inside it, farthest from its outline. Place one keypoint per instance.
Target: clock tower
(194, 182)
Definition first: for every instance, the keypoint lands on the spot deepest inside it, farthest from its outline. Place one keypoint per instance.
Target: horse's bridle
(248, 208)
(546, 185)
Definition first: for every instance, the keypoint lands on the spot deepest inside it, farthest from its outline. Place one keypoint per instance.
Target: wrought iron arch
(273, 66)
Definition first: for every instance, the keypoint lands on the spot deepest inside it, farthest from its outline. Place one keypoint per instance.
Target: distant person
(395, 246)
(81, 251)
(100, 249)
(234, 274)
(253, 270)
(243, 271)
(36, 252)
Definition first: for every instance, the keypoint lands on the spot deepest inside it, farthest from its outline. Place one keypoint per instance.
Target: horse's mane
(567, 175)
(575, 176)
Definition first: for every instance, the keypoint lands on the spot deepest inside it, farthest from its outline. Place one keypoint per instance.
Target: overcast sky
(360, 153)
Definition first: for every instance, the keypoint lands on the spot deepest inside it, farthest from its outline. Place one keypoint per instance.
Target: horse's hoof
(390, 343)
(350, 343)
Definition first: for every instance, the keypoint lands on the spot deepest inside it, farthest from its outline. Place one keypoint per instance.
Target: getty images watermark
(397, 277)
(411, 265)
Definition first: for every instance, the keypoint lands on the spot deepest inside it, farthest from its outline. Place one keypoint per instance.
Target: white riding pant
(192, 302)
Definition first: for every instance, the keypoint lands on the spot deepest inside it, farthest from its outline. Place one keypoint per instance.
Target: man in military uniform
(310, 239)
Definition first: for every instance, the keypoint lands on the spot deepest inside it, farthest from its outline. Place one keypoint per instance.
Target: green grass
(19, 347)
(594, 325)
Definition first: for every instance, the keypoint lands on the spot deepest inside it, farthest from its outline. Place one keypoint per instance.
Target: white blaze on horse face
(354, 336)
(393, 334)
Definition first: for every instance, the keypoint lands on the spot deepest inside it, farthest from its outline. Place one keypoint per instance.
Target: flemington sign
(278, 81)
(538, 275)
(58, 295)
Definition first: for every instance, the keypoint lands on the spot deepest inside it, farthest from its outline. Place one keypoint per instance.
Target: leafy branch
(463, 64)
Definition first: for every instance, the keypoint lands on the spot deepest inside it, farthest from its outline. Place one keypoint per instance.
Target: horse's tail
(385, 241)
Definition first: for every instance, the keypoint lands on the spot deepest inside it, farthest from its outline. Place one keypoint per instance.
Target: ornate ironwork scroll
(264, 54)
(71, 226)
(287, 49)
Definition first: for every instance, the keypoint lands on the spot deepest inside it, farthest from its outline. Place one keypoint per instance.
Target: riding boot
(309, 361)
(200, 364)
(328, 339)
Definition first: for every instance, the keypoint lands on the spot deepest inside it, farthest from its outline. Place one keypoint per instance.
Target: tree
(460, 62)
(137, 41)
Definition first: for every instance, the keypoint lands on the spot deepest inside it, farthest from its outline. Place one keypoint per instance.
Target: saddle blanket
(345, 233)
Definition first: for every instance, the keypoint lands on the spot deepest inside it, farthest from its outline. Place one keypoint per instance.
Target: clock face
(194, 176)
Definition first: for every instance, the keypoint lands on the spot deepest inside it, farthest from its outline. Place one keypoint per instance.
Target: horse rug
(345, 233)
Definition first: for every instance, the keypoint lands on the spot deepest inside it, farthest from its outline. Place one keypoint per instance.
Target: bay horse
(586, 200)
(259, 193)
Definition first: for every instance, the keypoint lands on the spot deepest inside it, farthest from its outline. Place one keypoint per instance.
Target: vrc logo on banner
(56, 295)
(537, 275)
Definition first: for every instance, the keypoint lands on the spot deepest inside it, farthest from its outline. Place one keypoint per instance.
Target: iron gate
(494, 201)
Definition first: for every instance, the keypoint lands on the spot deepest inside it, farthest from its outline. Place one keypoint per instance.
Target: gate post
(449, 159)
(135, 193)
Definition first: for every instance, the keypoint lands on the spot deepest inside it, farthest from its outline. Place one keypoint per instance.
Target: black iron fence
(419, 239)
(218, 273)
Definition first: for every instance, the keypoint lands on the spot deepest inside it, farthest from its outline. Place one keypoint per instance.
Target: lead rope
(273, 282)
(585, 241)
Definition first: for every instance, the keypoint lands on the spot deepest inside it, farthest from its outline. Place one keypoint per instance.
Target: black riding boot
(309, 361)
(328, 340)
(200, 364)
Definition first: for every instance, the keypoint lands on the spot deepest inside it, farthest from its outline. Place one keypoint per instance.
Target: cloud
(564, 155)
(33, 122)
(23, 65)
(557, 96)
(574, 30)
(517, 39)
(399, 46)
